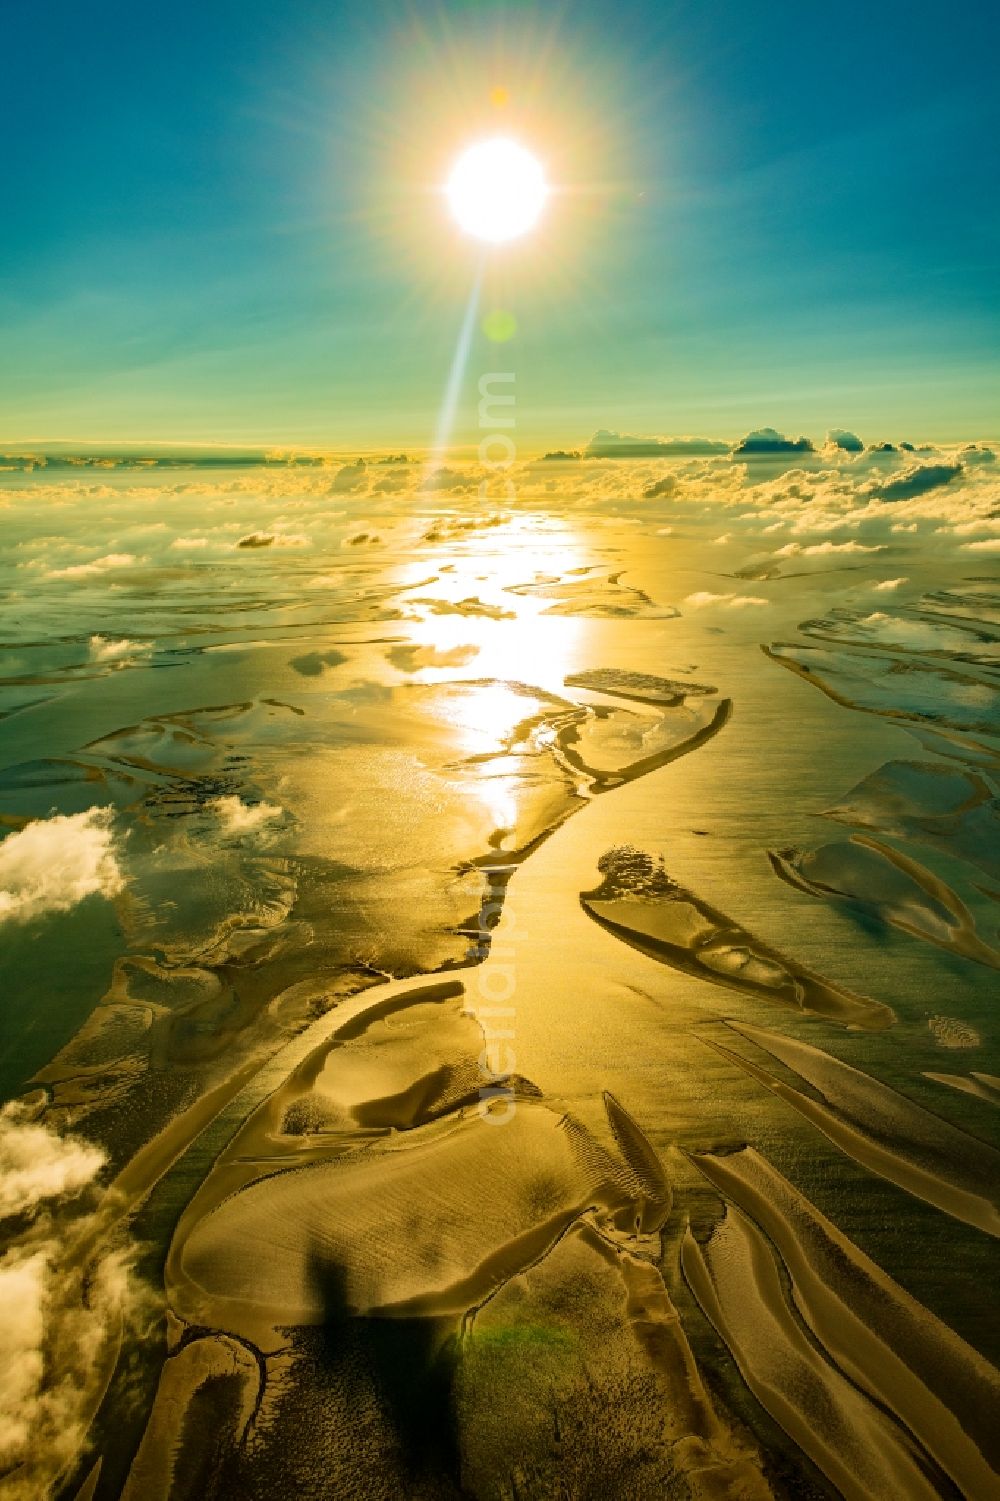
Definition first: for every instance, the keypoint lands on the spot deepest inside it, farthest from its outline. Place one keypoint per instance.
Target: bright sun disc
(497, 190)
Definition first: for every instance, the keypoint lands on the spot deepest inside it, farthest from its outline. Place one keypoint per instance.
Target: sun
(497, 190)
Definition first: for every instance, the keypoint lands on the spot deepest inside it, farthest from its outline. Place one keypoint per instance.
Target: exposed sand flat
(981, 1086)
(643, 906)
(908, 631)
(646, 687)
(945, 807)
(433, 1225)
(736, 1280)
(893, 887)
(645, 1163)
(590, 1336)
(953, 1034)
(408, 1066)
(884, 1131)
(193, 1379)
(881, 1337)
(978, 602)
(882, 684)
(612, 746)
(601, 597)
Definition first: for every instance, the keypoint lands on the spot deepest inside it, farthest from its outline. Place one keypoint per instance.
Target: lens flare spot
(499, 325)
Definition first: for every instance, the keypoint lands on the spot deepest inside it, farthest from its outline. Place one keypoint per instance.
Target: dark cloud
(840, 437)
(273, 539)
(665, 486)
(918, 480)
(975, 454)
(351, 477)
(608, 445)
(766, 440)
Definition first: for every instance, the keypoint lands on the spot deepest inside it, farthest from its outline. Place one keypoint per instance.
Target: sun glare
(497, 190)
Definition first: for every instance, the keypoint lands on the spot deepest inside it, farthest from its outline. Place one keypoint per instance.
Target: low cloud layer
(770, 489)
(609, 445)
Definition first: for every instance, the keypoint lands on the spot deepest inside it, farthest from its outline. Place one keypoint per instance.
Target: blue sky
(220, 224)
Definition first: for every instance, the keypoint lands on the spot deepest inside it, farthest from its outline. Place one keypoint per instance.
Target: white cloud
(122, 651)
(842, 438)
(703, 598)
(238, 817)
(58, 1318)
(36, 1164)
(189, 544)
(110, 561)
(53, 863)
(988, 524)
(988, 544)
(821, 549)
(22, 1328)
(884, 584)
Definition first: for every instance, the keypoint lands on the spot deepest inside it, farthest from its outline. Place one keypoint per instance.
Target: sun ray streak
(453, 386)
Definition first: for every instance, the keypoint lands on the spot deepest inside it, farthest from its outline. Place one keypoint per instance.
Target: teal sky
(221, 220)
